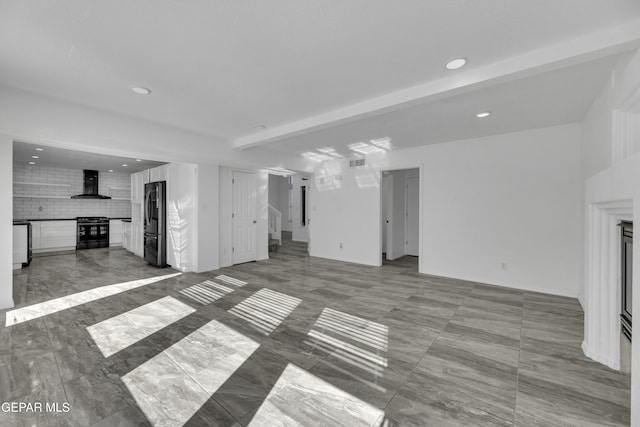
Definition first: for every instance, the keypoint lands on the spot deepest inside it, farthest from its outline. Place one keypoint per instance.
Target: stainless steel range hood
(90, 186)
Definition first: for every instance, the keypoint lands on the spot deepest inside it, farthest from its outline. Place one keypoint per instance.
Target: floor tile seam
(515, 403)
(224, 408)
(185, 372)
(64, 388)
(115, 413)
(434, 340)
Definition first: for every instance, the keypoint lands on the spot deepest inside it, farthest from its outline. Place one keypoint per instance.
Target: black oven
(93, 232)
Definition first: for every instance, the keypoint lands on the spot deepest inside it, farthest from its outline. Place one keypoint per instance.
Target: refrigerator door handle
(147, 213)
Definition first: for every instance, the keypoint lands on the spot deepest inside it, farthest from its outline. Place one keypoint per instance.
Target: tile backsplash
(43, 192)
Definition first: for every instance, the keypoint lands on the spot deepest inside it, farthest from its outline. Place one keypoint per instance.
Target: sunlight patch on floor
(360, 343)
(171, 387)
(299, 398)
(266, 309)
(56, 305)
(206, 292)
(231, 280)
(119, 332)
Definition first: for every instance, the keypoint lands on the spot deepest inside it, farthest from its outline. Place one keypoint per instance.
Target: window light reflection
(231, 280)
(172, 386)
(119, 332)
(314, 399)
(56, 305)
(360, 343)
(206, 292)
(266, 309)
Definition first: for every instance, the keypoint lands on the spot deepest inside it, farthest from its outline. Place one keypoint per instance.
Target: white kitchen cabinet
(20, 245)
(126, 235)
(146, 178)
(49, 236)
(35, 235)
(115, 232)
(159, 173)
(137, 239)
(137, 187)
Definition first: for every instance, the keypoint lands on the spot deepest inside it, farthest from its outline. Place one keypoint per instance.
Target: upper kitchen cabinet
(137, 186)
(159, 173)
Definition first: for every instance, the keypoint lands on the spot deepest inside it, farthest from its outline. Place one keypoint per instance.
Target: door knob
(254, 221)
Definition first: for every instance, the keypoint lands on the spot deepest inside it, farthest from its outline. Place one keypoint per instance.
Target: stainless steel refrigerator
(155, 223)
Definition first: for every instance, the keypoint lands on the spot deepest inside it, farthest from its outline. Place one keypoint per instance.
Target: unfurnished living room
(319, 213)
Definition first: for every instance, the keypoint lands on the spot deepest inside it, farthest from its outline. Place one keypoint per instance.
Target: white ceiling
(297, 66)
(70, 159)
(553, 98)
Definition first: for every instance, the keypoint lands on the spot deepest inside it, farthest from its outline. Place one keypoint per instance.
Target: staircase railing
(275, 224)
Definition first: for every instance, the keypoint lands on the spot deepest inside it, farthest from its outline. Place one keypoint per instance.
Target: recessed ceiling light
(138, 160)
(125, 165)
(141, 90)
(39, 149)
(32, 163)
(110, 170)
(35, 157)
(483, 114)
(454, 64)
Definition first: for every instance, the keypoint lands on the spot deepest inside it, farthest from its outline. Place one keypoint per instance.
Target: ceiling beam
(569, 52)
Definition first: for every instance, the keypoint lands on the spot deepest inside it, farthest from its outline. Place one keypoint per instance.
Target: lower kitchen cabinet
(21, 254)
(115, 232)
(137, 239)
(126, 236)
(49, 236)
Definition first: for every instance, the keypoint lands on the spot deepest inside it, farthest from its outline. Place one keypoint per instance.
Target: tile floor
(293, 341)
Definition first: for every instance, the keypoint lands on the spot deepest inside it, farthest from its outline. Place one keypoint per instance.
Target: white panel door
(412, 233)
(244, 217)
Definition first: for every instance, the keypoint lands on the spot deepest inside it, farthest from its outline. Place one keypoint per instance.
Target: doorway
(400, 217)
(290, 208)
(244, 217)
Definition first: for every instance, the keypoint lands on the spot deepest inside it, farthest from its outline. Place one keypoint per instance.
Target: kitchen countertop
(20, 222)
(62, 219)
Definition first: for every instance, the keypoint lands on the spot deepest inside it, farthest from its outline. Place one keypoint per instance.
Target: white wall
(182, 230)
(207, 218)
(345, 209)
(511, 198)
(300, 233)
(285, 202)
(6, 227)
(279, 198)
(225, 205)
(607, 181)
(62, 205)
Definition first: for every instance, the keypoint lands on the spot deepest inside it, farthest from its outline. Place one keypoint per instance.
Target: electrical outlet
(504, 265)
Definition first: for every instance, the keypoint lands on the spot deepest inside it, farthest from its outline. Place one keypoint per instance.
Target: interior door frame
(420, 167)
(255, 173)
(406, 212)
